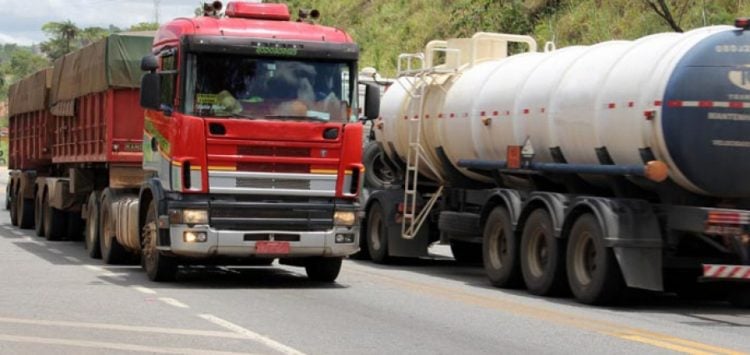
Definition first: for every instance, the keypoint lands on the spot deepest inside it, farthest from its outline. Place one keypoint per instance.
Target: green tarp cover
(114, 62)
(30, 94)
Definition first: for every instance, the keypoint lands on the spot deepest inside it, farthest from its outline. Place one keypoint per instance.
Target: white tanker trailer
(588, 168)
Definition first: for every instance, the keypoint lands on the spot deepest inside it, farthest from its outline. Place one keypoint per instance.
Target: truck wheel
(593, 274)
(377, 173)
(323, 269)
(54, 221)
(158, 267)
(466, 252)
(377, 234)
(7, 197)
(111, 250)
(39, 213)
(500, 250)
(91, 240)
(13, 206)
(25, 212)
(542, 256)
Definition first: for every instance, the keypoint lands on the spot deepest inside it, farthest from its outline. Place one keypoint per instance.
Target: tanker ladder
(412, 220)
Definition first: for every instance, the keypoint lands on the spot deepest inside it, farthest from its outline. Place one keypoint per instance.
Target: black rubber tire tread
(114, 253)
(323, 269)
(158, 267)
(460, 223)
(7, 197)
(91, 237)
(552, 281)
(376, 223)
(39, 213)
(55, 221)
(371, 153)
(502, 273)
(466, 252)
(607, 285)
(13, 206)
(25, 210)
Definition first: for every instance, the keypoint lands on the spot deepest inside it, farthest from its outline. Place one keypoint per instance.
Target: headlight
(188, 216)
(344, 218)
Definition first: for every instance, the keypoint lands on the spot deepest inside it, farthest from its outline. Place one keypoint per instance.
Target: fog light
(344, 218)
(344, 238)
(195, 237)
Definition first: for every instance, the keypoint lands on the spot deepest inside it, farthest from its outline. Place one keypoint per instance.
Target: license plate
(263, 247)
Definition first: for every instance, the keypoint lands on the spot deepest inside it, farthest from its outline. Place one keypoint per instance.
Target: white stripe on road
(17, 232)
(142, 289)
(123, 328)
(73, 259)
(173, 302)
(55, 251)
(107, 345)
(95, 268)
(273, 344)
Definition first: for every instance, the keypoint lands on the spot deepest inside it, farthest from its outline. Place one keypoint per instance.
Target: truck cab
(251, 143)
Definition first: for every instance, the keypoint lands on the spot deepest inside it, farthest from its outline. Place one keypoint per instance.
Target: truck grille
(270, 215)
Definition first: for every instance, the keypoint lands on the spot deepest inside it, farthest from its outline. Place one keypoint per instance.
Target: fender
(554, 203)
(631, 229)
(397, 246)
(510, 199)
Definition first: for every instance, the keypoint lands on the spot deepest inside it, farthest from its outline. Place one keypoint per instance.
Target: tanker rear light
(742, 22)
(727, 222)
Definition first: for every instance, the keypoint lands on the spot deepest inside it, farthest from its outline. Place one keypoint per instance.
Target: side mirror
(149, 63)
(372, 102)
(150, 91)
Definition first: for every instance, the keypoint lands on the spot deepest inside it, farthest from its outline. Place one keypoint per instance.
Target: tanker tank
(681, 99)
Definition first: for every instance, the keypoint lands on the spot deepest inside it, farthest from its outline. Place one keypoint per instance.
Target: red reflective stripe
(631, 103)
(495, 113)
(674, 103)
(705, 104)
(525, 111)
(706, 269)
(657, 103)
(736, 271)
(735, 104)
(611, 105)
(747, 274)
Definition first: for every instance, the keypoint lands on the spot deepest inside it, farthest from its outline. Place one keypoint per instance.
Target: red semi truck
(245, 146)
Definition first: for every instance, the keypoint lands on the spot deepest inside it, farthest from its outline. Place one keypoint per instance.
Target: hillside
(385, 28)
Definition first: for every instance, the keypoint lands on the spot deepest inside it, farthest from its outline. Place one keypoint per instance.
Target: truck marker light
(656, 170)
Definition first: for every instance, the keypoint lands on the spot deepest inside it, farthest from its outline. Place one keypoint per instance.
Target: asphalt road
(54, 299)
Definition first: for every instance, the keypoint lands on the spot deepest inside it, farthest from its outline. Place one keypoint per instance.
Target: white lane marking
(273, 344)
(73, 259)
(107, 345)
(173, 302)
(17, 232)
(55, 251)
(31, 240)
(142, 289)
(125, 328)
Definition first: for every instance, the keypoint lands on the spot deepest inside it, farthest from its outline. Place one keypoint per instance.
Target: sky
(22, 20)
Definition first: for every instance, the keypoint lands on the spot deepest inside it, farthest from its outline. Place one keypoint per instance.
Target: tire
(55, 221)
(39, 213)
(111, 250)
(13, 206)
(25, 213)
(377, 234)
(542, 256)
(323, 269)
(500, 250)
(593, 274)
(158, 267)
(466, 252)
(91, 238)
(7, 197)
(377, 173)
(75, 226)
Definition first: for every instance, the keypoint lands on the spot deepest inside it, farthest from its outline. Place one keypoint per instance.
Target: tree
(90, 35)
(62, 39)
(662, 8)
(23, 63)
(144, 26)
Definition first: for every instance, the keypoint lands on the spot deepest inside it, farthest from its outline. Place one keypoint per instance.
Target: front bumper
(240, 244)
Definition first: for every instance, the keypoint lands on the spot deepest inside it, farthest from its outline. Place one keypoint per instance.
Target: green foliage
(144, 26)
(17, 62)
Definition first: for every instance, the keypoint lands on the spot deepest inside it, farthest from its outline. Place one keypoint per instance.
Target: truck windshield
(221, 85)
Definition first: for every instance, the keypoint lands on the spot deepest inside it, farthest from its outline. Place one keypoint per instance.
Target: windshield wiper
(300, 117)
